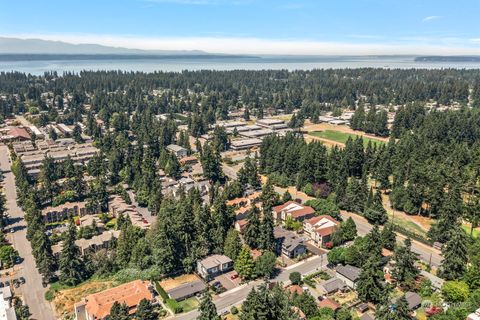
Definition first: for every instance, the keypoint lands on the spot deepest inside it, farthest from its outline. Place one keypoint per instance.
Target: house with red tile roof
(320, 229)
(294, 210)
(97, 306)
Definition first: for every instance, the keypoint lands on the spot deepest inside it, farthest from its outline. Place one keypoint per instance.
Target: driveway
(34, 296)
(226, 280)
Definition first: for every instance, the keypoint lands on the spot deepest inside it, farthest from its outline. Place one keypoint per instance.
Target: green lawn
(189, 304)
(341, 137)
(467, 229)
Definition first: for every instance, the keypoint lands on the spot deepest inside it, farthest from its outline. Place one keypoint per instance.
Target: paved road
(32, 291)
(236, 296)
(425, 253)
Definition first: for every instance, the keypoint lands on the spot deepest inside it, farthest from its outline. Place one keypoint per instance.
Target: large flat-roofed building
(245, 143)
(257, 133)
(231, 124)
(269, 122)
(97, 306)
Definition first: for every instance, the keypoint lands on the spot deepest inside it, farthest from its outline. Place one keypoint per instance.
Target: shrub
(455, 291)
(233, 310)
(295, 277)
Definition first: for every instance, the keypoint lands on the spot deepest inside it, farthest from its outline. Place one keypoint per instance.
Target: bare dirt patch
(171, 283)
(65, 299)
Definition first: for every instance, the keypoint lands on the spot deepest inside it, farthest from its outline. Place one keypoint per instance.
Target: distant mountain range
(448, 59)
(13, 46)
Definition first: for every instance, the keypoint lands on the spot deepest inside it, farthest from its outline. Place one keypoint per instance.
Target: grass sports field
(341, 137)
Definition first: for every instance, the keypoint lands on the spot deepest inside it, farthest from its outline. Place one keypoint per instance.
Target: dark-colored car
(22, 280)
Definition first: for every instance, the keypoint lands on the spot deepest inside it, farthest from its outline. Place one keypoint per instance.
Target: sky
(310, 27)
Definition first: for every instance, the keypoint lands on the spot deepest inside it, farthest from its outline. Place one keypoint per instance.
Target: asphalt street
(425, 253)
(32, 291)
(236, 296)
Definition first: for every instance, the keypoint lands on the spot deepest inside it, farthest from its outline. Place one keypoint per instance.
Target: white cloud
(431, 18)
(246, 45)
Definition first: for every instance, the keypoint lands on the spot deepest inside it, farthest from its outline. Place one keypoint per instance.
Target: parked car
(234, 276)
(22, 280)
(1, 285)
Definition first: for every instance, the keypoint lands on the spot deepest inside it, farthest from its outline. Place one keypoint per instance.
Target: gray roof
(350, 272)
(332, 285)
(367, 316)
(175, 148)
(215, 260)
(187, 289)
(413, 299)
(290, 240)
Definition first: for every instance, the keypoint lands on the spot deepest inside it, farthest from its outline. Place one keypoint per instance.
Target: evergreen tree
(266, 240)
(389, 238)
(450, 212)
(370, 285)
(376, 213)
(211, 163)
(401, 311)
(145, 311)
(207, 309)
(71, 264)
(267, 304)
(404, 269)
(118, 311)
(233, 244)
(455, 254)
(253, 228)
(358, 118)
(244, 265)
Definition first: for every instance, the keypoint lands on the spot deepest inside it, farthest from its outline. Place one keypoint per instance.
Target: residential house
(414, 300)
(7, 310)
(332, 285)
(348, 274)
(320, 229)
(329, 303)
(288, 243)
(97, 306)
(187, 290)
(177, 150)
(214, 265)
(294, 210)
